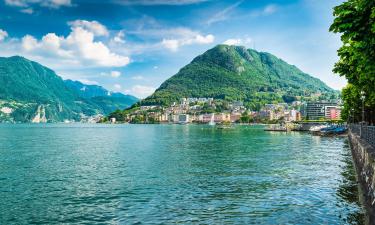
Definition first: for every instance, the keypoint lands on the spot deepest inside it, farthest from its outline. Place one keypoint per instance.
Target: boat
(315, 130)
(333, 131)
(328, 130)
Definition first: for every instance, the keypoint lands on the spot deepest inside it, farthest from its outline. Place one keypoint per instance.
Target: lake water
(135, 174)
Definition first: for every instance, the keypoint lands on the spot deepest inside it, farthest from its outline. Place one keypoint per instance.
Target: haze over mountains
(30, 92)
(237, 73)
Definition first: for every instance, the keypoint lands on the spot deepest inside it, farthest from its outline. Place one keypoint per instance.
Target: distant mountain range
(237, 73)
(30, 92)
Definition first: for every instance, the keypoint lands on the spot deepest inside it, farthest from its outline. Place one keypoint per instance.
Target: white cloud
(267, 10)
(155, 67)
(44, 3)
(27, 10)
(171, 44)
(223, 14)
(78, 46)
(119, 38)
(49, 45)
(175, 44)
(29, 43)
(137, 78)
(117, 86)
(238, 41)
(115, 74)
(270, 9)
(204, 39)
(93, 26)
(89, 82)
(18, 3)
(141, 91)
(171, 38)
(3, 34)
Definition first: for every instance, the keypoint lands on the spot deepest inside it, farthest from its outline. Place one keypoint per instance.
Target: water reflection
(348, 189)
(161, 174)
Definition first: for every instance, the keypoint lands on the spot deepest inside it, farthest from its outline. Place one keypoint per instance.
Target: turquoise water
(135, 174)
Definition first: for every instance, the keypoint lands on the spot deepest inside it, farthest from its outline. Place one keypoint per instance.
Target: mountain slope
(106, 100)
(237, 73)
(32, 92)
(85, 90)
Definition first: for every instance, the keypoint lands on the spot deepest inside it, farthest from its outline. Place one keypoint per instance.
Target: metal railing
(367, 133)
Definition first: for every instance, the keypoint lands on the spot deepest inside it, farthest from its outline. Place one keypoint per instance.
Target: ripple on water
(135, 174)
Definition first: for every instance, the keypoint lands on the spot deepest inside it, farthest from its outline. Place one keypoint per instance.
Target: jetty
(278, 128)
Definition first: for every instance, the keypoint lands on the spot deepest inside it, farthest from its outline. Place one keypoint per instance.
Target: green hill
(237, 73)
(32, 92)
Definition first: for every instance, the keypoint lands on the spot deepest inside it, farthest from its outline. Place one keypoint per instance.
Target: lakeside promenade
(362, 144)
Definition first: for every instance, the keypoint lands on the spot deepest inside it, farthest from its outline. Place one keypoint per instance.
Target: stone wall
(364, 159)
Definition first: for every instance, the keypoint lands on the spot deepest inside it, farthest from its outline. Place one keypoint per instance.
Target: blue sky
(132, 46)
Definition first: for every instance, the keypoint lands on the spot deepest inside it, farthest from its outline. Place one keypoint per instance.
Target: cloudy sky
(132, 46)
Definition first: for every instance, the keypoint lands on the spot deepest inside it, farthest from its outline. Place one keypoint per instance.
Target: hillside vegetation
(236, 73)
(32, 92)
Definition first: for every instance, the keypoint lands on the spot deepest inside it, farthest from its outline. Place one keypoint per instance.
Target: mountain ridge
(29, 89)
(237, 73)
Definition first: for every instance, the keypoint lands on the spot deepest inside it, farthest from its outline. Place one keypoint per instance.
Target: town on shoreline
(209, 110)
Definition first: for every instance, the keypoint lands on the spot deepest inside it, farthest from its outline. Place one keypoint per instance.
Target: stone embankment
(364, 159)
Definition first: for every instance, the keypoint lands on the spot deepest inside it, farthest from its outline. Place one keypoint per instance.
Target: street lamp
(363, 111)
(363, 105)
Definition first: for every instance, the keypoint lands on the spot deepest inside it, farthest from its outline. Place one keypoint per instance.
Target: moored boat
(326, 130)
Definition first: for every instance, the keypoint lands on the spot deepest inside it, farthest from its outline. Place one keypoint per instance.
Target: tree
(355, 20)
(118, 114)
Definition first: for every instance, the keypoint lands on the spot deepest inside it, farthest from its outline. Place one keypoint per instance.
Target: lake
(161, 174)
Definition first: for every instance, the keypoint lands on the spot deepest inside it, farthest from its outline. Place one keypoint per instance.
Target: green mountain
(30, 92)
(237, 73)
(106, 100)
(85, 90)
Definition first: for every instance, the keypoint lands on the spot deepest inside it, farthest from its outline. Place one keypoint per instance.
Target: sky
(132, 46)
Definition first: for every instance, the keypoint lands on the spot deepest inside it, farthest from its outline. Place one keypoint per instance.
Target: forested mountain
(237, 73)
(30, 92)
(108, 101)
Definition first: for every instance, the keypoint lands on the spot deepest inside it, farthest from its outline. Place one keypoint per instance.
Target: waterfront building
(205, 118)
(173, 118)
(183, 118)
(147, 107)
(221, 117)
(164, 117)
(317, 110)
(295, 115)
(332, 112)
(267, 114)
(236, 105)
(235, 117)
(193, 118)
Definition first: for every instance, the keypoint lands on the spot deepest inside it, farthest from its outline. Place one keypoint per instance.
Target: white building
(183, 118)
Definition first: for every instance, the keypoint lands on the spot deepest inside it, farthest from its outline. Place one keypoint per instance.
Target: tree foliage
(355, 21)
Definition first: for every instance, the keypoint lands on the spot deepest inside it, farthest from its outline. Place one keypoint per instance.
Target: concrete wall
(364, 159)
